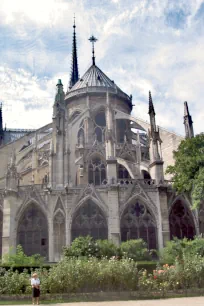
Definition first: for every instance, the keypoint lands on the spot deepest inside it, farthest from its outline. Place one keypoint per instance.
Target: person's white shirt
(35, 281)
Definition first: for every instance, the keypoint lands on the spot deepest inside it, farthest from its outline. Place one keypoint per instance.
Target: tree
(188, 170)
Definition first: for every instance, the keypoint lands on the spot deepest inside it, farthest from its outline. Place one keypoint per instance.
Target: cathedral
(93, 170)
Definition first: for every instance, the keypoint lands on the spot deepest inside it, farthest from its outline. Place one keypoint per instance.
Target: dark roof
(94, 77)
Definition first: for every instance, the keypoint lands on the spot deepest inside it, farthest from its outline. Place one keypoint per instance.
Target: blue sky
(143, 45)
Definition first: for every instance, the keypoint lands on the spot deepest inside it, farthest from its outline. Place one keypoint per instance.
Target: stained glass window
(137, 222)
(89, 220)
(96, 171)
(181, 222)
(32, 232)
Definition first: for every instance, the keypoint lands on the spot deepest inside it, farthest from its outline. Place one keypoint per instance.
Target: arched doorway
(181, 221)
(137, 222)
(89, 220)
(59, 234)
(32, 233)
(1, 231)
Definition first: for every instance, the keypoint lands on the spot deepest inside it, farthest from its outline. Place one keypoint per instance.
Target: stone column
(51, 239)
(113, 218)
(157, 171)
(9, 232)
(164, 230)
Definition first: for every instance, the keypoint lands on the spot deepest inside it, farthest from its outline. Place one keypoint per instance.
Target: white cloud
(137, 47)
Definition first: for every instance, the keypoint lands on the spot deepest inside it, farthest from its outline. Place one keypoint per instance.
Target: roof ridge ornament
(93, 39)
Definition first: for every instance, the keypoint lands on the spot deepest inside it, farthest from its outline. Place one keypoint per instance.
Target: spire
(151, 106)
(93, 39)
(74, 69)
(188, 123)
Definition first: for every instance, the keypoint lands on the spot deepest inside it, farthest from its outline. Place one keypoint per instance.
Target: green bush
(79, 275)
(73, 275)
(176, 248)
(135, 249)
(20, 258)
(107, 248)
(87, 247)
(82, 246)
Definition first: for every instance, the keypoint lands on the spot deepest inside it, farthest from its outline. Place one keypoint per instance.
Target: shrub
(176, 248)
(87, 246)
(135, 249)
(82, 246)
(107, 248)
(20, 258)
(92, 275)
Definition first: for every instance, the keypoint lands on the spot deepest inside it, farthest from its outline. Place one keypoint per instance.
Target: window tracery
(181, 221)
(100, 126)
(96, 171)
(59, 234)
(32, 233)
(137, 222)
(89, 220)
(81, 134)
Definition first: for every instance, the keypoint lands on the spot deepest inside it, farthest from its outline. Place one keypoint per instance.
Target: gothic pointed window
(1, 230)
(81, 137)
(96, 171)
(123, 173)
(137, 222)
(32, 233)
(100, 126)
(181, 221)
(89, 220)
(121, 130)
(59, 234)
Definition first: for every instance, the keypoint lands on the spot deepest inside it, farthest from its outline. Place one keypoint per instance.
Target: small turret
(12, 174)
(188, 123)
(156, 166)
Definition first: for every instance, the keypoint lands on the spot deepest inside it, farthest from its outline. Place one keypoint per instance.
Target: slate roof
(94, 77)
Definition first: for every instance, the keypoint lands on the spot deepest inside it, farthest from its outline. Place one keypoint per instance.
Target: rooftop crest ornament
(93, 39)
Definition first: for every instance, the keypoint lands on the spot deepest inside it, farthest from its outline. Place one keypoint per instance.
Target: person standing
(35, 283)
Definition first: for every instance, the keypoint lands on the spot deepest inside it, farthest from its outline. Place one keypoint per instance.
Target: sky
(142, 45)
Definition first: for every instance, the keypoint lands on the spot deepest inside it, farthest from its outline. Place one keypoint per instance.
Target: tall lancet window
(137, 222)
(100, 126)
(96, 171)
(32, 232)
(123, 173)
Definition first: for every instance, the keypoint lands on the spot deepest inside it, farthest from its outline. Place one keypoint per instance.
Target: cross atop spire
(151, 106)
(74, 68)
(93, 39)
